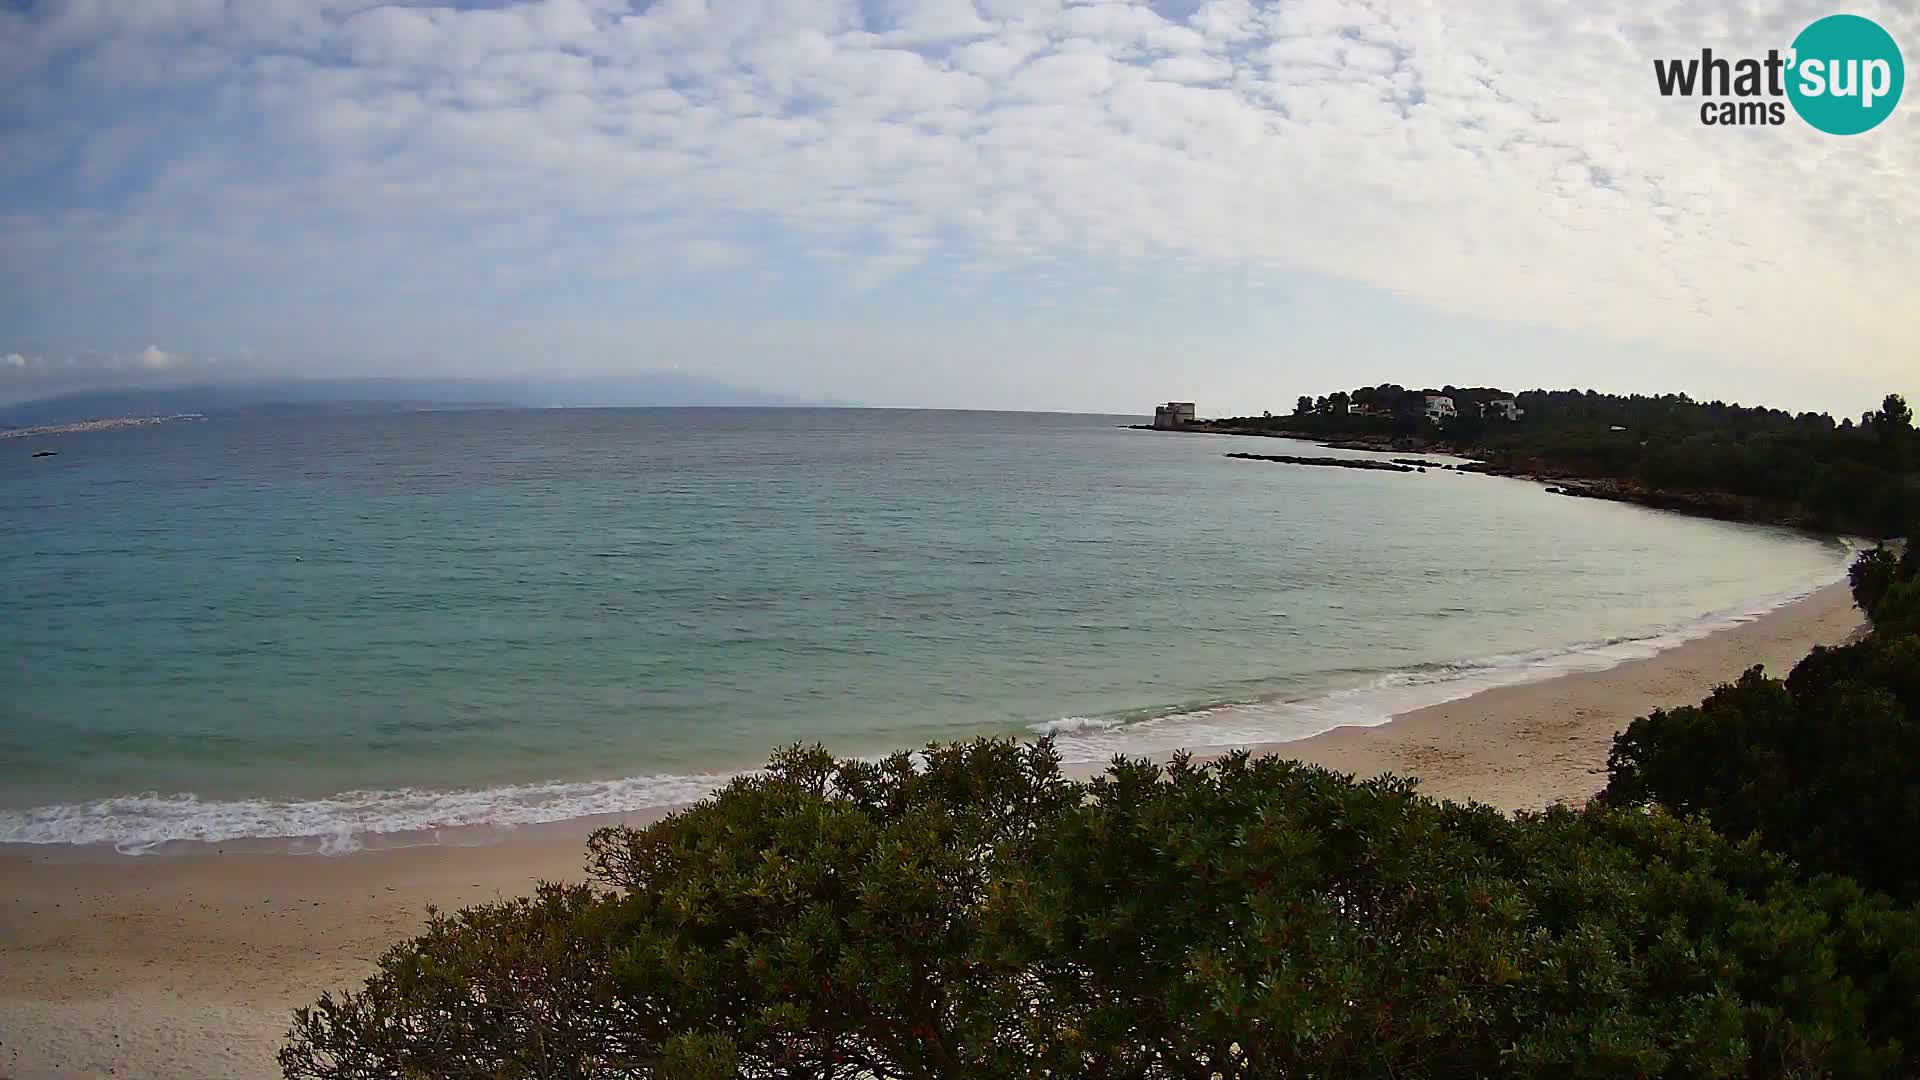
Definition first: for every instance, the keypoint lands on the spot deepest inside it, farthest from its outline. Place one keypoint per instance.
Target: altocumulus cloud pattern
(166, 160)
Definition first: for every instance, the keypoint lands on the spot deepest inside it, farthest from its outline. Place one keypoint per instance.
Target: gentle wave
(1069, 725)
(134, 824)
(1378, 701)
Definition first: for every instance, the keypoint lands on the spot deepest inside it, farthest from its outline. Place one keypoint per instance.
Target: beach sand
(188, 966)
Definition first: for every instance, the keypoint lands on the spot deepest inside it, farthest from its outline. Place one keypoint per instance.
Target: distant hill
(386, 395)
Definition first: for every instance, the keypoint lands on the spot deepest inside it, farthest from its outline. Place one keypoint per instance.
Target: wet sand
(1529, 746)
(188, 966)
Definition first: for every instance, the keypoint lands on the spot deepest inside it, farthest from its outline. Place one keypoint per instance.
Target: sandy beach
(188, 966)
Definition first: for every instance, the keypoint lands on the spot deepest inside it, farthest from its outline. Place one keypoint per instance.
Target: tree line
(1740, 902)
(1842, 476)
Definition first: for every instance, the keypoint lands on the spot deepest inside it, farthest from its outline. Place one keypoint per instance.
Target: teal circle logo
(1845, 74)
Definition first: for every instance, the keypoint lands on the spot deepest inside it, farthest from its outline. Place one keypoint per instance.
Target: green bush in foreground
(1823, 767)
(1887, 588)
(978, 915)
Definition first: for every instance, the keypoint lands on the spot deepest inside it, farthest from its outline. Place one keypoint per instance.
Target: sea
(320, 633)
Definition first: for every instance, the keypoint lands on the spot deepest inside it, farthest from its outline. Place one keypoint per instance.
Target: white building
(1440, 407)
(1505, 408)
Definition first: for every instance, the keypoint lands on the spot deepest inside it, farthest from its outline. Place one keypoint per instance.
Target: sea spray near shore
(1074, 725)
(1379, 700)
(134, 824)
(340, 825)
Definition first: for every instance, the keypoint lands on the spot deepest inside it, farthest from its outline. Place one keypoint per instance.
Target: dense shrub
(1823, 767)
(976, 914)
(1887, 588)
(1871, 575)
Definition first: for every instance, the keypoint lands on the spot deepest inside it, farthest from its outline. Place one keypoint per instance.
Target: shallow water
(318, 626)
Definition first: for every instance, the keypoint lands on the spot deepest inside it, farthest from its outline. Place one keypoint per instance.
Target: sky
(1018, 204)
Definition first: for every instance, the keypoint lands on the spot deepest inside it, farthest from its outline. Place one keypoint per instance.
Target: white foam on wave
(340, 824)
(1240, 724)
(134, 824)
(1068, 725)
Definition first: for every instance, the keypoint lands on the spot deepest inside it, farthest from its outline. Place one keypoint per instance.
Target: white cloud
(155, 358)
(1508, 162)
(929, 21)
(715, 255)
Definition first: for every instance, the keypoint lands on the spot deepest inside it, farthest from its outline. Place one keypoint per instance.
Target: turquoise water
(323, 626)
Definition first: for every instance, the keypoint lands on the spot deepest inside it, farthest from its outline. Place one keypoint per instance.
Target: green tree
(1668, 450)
(1895, 414)
(1823, 767)
(1871, 575)
(1893, 426)
(973, 913)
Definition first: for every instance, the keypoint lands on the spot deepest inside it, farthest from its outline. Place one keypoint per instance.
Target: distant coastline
(1721, 506)
(96, 425)
(1669, 452)
(282, 397)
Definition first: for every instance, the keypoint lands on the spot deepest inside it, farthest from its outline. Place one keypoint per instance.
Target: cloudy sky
(971, 203)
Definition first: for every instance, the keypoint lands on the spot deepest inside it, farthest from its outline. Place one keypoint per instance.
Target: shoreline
(1531, 745)
(190, 965)
(351, 822)
(1718, 506)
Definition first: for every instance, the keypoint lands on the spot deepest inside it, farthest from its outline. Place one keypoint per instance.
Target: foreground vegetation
(1803, 468)
(1823, 766)
(971, 912)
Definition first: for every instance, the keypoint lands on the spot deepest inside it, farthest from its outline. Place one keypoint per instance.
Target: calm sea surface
(327, 626)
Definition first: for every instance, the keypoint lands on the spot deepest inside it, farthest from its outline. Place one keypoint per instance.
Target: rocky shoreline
(1713, 504)
(1721, 506)
(1379, 444)
(1329, 462)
